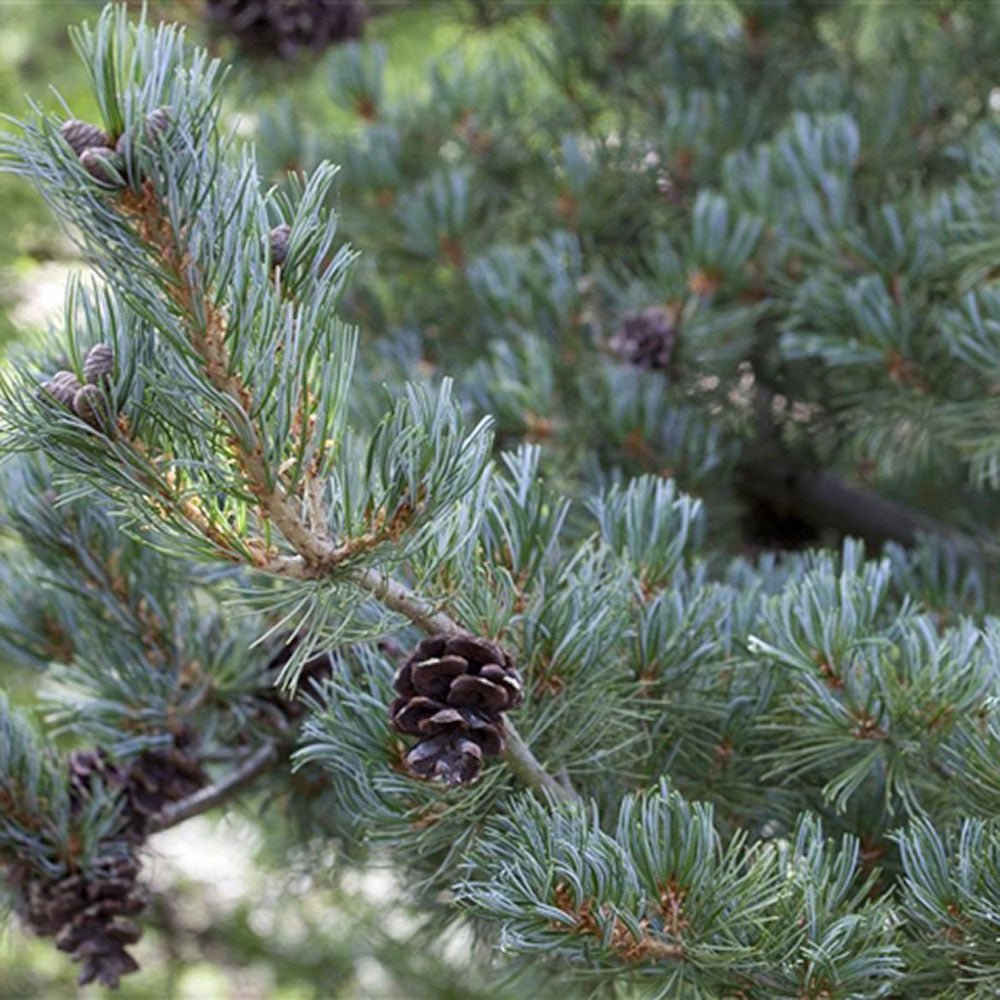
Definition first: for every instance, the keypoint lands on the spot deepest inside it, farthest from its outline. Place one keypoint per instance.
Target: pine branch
(275, 469)
(317, 556)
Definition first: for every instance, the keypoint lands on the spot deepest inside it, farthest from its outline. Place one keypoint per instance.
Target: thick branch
(529, 771)
(824, 500)
(215, 795)
(793, 485)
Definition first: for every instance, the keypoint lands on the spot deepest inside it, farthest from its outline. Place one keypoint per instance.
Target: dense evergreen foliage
(645, 357)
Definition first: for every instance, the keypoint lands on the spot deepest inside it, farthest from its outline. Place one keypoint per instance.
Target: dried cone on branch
(309, 682)
(646, 339)
(87, 914)
(283, 28)
(453, 692)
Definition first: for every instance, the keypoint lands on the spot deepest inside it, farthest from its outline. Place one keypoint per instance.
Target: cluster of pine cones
(88, 913)
(106, 161)
(89, 401)
(285, 28)
(453, 692)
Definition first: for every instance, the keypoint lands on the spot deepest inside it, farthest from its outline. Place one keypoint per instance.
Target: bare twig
(394, 595)
(215, 795)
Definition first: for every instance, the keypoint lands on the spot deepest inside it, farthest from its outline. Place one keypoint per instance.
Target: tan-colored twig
(301, 520)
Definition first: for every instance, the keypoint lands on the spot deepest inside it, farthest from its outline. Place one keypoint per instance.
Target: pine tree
(463, 538)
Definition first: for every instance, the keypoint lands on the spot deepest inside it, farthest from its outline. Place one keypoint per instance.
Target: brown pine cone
(453, 692)
(311, 676)
(452, 759)
(284, 28)
(157, 778)
(87, 913)
(646, 339)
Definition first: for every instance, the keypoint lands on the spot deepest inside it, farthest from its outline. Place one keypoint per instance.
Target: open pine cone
(87, 914)
(453, 692)
(283, 28)
(646, 339)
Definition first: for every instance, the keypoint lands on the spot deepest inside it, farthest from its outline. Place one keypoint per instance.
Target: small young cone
(105, 166)
(91, 405)
(99, 364)
(158, 121)
(279, 244)
(82, 136)
(62, 387)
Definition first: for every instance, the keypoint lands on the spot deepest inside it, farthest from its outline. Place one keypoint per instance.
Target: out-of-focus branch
(216, 794)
